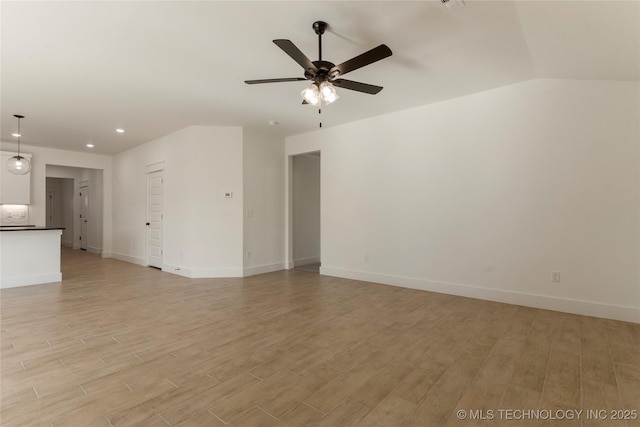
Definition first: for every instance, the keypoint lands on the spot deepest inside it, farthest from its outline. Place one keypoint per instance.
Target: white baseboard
(94, 250)
(128, 258)
(67, 244)
(184, 272)
(260, 269)
(289, 264)
(587, 308)
(14, 282)
(305, 261)
(213, 273)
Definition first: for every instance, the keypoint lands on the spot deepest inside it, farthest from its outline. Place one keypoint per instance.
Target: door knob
(148, 223)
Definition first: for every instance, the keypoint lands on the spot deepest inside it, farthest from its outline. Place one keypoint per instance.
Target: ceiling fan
(324, 75)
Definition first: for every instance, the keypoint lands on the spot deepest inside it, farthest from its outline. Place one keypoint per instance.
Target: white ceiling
(77, 70)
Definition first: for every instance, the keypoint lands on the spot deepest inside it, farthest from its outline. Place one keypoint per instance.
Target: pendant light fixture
(18, 165)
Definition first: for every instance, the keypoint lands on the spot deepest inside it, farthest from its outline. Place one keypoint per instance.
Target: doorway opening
(74, 200)
(305, 211)
(60, 207)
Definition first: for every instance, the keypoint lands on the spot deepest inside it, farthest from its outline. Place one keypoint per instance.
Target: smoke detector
(452, 4)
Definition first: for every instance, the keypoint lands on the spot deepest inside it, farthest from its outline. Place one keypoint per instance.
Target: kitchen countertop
(27, 228)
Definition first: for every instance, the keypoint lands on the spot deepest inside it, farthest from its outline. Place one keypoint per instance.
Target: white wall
(306, 208)
(264, 207)
(42, 158)
(486, 194)
(202, 228)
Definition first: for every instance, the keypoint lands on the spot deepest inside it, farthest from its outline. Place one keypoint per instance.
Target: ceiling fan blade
(286, 79)
(295, 53)
(357, 86)
(369, 57)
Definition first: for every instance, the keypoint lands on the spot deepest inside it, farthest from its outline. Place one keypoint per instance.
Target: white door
(154, 218)
(84, 218)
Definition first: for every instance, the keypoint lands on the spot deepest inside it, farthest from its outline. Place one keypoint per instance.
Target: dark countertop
(27, 228)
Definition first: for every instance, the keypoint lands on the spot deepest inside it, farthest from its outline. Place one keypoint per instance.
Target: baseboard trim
(305, 261)
(67, 244)
(94, 250)
(587, 308)
(128, 258)
(39, 279)
(261, 269)
(184, 272)
(202, 273)
(215, 273)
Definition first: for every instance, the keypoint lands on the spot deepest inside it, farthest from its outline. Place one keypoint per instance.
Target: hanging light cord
(19, 134)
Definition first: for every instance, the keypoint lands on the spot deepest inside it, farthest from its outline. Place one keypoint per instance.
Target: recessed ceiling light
(273, 122)
(90, 145)
(16, 134)
(120, 130)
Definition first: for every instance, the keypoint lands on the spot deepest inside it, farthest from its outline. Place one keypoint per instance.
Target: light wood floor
(116, 344)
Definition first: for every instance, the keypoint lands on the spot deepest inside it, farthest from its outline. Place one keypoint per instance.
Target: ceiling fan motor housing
(323, 73)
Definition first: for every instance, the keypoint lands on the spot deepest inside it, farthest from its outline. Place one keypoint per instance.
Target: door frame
(288, 194)
(149, 169)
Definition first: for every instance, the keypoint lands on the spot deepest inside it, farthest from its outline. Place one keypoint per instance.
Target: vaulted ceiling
(80, 69)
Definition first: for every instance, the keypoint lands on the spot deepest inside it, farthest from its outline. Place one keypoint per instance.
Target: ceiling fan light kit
(315, 95)
(325, 75)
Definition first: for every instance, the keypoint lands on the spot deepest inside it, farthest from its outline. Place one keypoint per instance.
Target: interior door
(84, 218)
(155, 184)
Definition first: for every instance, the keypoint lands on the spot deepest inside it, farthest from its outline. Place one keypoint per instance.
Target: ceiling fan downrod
(319, 27)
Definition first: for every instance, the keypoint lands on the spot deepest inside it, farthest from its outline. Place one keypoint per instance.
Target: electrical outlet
(555, 276)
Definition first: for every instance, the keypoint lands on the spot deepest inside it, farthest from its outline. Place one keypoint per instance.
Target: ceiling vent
(452, 4)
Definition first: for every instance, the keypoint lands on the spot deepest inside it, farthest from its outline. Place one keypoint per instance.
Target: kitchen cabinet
(14, 189)
(30, 256)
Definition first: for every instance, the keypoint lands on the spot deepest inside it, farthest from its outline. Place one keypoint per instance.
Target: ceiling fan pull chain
(320, 112)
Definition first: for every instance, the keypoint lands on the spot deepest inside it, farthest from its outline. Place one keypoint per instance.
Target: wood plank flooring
(116, 344)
